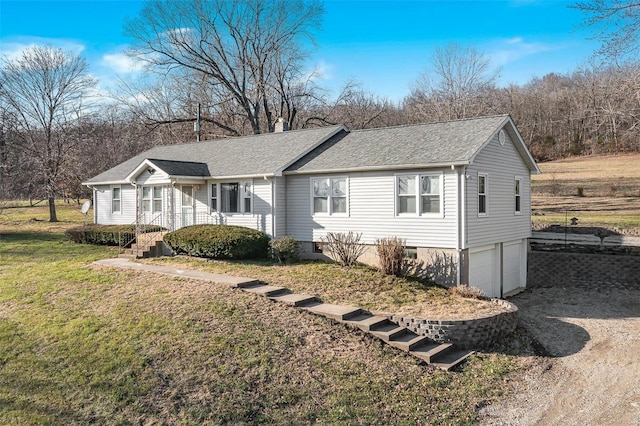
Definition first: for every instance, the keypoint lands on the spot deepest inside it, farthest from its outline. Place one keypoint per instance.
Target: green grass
(83, 344)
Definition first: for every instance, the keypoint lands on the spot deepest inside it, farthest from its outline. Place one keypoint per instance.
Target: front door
(187, 214)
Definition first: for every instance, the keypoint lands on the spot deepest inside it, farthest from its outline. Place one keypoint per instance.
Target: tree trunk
(52, 210)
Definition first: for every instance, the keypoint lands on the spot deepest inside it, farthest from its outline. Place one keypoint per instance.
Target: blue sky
(384, 45)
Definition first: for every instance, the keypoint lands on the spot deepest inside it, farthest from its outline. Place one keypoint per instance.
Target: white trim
(486, 194)
(329, 211)
(389, 167)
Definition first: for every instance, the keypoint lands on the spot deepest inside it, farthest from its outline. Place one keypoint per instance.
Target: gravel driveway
(591, 333)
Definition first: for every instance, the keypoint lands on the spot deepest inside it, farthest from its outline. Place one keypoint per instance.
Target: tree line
(239, 66)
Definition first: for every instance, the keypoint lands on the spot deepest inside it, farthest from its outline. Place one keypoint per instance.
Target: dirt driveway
(591, 334)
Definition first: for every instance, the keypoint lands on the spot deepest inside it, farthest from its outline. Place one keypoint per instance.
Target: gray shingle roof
(181, 168)
(254, 155)
(451, 142)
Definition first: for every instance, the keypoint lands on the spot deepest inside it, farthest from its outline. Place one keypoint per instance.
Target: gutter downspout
(459, 215)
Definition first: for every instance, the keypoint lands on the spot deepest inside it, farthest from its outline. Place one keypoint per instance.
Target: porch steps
(441, 355)
(146, 245)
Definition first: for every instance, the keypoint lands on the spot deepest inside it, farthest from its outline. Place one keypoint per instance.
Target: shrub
(285, 249)
(344, 248)
(580, 191)
(464, 290)
(219, 242)
(391, 256)
(106, 235)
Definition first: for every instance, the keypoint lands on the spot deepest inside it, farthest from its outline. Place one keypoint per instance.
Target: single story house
(458, 192)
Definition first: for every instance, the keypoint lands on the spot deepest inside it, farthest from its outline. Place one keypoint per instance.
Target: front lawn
(83, 344)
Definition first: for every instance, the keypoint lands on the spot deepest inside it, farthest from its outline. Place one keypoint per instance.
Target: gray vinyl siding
(280, 207)
(127, 216)
(371, 211)
(502, 164)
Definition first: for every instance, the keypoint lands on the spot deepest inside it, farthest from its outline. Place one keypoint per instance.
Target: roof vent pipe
(280, 126)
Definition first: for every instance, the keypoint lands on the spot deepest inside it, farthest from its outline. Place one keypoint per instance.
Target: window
(419, 194)
(151, 199)
(187, 196)
(517, 194)
(214, 197)
(157, 198)
(329, 195)
(411, 253)
(115, 199)
(146, 199)
(430, 194)
(482, 194)
(246, 197)
(229, 193)
(232, 197)
(406, 194)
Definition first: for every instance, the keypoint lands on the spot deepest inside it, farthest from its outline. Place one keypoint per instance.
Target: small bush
(391, 256)
(219, 242)
(464, 290)
(106, 235)
(345, 248)
(580, 191)
(285, 249)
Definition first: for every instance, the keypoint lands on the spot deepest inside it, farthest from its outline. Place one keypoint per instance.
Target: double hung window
(116, 198)
(482, 194)
(419, 194)
(329, 195)
(517, 195)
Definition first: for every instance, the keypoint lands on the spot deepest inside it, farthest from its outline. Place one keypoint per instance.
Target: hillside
(599, 190)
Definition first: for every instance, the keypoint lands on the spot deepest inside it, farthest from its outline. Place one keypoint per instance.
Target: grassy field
(83, 344)
(599, 190)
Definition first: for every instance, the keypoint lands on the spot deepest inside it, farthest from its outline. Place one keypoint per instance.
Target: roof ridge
(400, 126)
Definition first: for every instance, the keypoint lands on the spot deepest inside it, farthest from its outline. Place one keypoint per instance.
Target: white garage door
(514, 263)
(482, 270)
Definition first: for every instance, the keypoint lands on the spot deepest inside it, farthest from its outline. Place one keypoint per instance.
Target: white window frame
(417, 195)
(517, 190)
(330, 196)
(119, 199)
(484, 194)
(245, 196)
(151, 199)
(214, 195)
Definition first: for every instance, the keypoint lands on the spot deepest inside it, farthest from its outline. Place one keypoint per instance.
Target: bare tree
(455, 84)
(45, 88)
(250, 51)
(617, 26)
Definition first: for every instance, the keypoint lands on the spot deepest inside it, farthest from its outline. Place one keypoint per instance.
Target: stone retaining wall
(577, 269)
(467, 334)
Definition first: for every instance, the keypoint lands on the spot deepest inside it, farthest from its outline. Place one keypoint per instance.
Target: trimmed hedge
(219, 242)
(106, 235)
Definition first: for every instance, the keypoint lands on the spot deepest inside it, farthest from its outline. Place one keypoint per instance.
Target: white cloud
(516, 48)
(121, 63)
(12, 48)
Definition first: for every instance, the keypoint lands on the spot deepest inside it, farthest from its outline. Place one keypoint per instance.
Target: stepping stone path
(441, 355)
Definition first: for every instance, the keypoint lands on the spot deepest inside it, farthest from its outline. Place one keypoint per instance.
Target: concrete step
(366, 321)
(294, 299)
(388, 332)
(337, 312)
(408, 341)
(266, 290)
(427, 351)
(451, 358)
